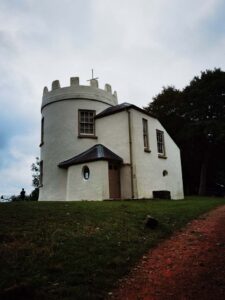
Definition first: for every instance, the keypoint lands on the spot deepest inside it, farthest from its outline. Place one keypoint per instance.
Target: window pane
(145, 141)
(81, 128)
(42, 130)
(145, 133)
(160, 142)
(87, 122)
(144, 125)
(86, 173)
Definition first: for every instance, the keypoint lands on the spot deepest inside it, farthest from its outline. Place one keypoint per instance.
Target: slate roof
(97, 152)
(120, 107)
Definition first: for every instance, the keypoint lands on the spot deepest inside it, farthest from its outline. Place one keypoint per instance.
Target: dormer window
(86, 123)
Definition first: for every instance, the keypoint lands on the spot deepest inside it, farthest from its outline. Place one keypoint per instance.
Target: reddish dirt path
(190, 265)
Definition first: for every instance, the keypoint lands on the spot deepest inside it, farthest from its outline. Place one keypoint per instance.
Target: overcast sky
(138, 46)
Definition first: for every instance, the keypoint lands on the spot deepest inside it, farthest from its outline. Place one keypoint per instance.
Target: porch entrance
(114, 181)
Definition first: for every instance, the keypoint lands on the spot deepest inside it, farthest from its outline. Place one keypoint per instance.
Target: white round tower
(68, 128)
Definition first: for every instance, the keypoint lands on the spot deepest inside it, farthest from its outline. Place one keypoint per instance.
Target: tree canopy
(195, 118)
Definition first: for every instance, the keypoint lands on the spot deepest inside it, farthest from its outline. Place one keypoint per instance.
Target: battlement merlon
(78, 92)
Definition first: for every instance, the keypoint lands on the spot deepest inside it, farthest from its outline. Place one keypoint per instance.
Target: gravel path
(189, 265)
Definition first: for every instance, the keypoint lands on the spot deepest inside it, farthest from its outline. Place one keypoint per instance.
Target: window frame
(42, 131)
(41, 174)
(160, 143)
(86, 135)
(86, 170)
(145, 135)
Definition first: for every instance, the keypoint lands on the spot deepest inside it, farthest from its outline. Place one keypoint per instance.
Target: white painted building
(93, 148)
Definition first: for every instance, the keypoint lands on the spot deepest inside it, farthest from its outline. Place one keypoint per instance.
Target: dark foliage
(34, 195)
(35, 168)
(195, 118)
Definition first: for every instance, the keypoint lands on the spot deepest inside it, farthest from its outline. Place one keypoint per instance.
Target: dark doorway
(114, 181)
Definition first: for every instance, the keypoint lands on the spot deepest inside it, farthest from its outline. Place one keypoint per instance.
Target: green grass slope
(78, 250)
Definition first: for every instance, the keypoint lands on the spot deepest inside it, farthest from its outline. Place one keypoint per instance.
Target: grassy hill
(78, 250)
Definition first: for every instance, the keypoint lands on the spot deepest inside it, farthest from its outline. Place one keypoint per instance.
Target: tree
(34, 195)
(204, 109)
(195, 118)
(35, 168)
(166, 106)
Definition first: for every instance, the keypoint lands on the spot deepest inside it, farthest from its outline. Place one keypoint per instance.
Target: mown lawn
(78, 250)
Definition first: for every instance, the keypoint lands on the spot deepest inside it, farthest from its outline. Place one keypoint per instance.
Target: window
(145, 134)
(86, 123)
(160, 143)
(86, 172)
(165, 173)
(41, 173)
(42, 131)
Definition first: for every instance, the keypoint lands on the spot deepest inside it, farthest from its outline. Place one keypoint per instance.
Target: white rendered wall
(125, 182)
(61, 140)
(113, 133)
(79, 92)
(148, 167)
(95, 188)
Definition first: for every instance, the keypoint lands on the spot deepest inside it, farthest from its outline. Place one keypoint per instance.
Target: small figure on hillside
(22, 194)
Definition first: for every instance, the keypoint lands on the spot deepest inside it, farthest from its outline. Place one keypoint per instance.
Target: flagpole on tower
(92, 75)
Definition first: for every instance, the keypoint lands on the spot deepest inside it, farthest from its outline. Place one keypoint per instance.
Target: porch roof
(97, 152)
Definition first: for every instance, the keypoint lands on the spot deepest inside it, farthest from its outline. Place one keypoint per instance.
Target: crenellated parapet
(78, 92)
